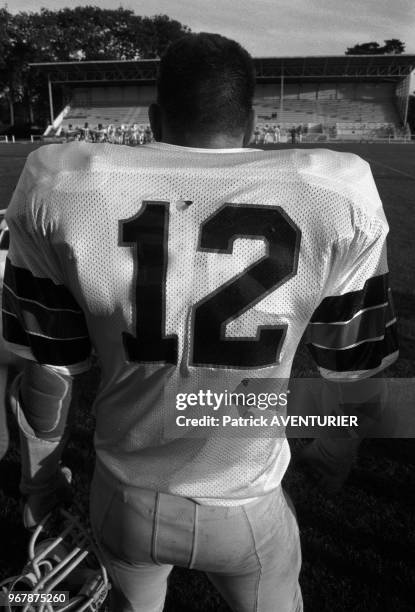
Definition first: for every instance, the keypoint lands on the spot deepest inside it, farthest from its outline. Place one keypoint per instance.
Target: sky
(274, 27)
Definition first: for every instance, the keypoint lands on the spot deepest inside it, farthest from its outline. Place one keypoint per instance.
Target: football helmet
(67, 562)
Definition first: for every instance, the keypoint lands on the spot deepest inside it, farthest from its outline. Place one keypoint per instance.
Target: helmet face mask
(69, 561)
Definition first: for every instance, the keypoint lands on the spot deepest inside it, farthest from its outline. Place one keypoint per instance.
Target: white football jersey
(188, 269)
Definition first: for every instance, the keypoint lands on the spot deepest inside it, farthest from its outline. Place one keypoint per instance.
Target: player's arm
(43, 324)
(352, 336)
(363, 398)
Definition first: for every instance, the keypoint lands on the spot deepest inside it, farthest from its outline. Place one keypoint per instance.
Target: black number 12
(147, 233)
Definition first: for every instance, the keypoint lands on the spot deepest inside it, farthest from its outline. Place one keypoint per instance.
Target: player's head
(205, 90)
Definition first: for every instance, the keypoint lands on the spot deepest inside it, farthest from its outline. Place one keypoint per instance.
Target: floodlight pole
(52, 118)
(282, 90)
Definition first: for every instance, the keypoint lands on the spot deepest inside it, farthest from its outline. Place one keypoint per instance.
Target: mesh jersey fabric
(112, 246)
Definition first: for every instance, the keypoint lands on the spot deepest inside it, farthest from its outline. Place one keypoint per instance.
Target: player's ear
(250, 125)
(154, 115)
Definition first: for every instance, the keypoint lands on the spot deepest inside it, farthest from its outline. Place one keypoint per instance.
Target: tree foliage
(72, 34)
(92, 33)
(393, 46)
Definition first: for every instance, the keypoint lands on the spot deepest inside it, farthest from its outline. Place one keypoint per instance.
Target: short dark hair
(206, 83)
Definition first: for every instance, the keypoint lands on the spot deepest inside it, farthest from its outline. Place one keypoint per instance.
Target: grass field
(358, 547)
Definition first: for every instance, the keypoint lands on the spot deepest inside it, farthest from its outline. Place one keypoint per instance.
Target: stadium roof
(366, 67)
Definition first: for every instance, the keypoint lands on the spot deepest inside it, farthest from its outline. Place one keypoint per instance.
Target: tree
(91, 33)
(81, 33)
(370, 48)
(15, 53)
(392, 46)
(157, 33)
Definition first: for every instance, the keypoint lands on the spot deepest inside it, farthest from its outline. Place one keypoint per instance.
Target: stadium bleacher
(343, 110)
(106, 115)
(338, 110)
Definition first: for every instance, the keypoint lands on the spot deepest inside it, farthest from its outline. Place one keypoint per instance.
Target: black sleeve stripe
(51, 351)
(41, 290)
(365, 356)
(60, 324)
(363, 326)
(48, 309)
(43, 317)
(58, 352)
(353, 344)
(13, 331)
(344, 307)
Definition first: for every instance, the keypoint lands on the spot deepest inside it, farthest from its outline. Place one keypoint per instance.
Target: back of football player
(194, 264)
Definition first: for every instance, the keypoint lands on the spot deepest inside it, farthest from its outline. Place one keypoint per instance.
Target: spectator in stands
(293, 134)
(119, 135)
(277, 133)
(123, 134)
(134, 135)
(85, 131)
(148, 136)
(72, 133)
(268, 134)
(101, 133)
(110, 133)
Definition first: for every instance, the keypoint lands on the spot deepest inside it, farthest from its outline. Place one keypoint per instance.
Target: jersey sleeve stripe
(12, 330)
(46, 308)
(34, 318)
(36, 289)
(71, 370)
(43, 320)
(359, 374)
(51, 351)
(60, 352)
(342, 308)
(368, 324)
(366, 355)
(386, 305)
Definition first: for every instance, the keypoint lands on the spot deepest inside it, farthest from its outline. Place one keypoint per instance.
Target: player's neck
(197, 141)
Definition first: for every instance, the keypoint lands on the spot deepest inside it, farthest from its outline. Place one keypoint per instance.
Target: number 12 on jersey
(147, 234)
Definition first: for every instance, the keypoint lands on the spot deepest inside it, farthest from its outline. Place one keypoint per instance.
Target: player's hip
(145, 526)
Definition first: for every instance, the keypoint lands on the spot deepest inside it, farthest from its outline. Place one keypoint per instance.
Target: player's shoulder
(55, 158)
(52, 162)
(339, 188)
(328, 167)
(342, 173)
(331, 165)
(45, 170)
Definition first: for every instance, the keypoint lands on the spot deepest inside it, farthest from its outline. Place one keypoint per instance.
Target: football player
(193, 265)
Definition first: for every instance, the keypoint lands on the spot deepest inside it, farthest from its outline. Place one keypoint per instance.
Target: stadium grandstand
(351, 97)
